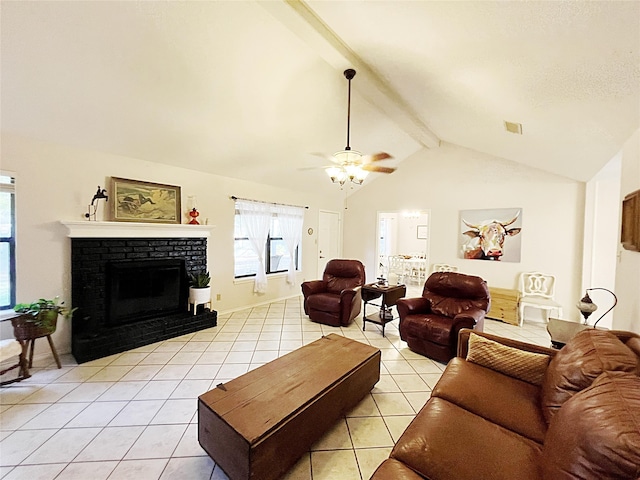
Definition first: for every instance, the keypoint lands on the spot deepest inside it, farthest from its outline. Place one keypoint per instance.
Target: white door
(328, 239)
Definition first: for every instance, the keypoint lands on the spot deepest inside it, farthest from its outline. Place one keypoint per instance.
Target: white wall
(451, 178)
(408, 241)
(601, 238)
(56, 183)
(627, 312)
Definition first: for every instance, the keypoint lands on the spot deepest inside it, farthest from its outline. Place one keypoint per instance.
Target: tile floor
(133, 415)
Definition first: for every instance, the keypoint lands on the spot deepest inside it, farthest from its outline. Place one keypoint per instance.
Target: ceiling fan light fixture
(336, 174)
(361, 175)
(351, 170)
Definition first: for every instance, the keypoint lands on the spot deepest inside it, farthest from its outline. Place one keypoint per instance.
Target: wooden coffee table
(258, 425)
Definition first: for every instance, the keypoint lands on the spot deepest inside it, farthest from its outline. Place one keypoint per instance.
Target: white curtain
(255, 218)
(290, 220)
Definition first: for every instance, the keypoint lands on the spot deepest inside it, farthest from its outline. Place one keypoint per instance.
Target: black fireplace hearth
(133, 292)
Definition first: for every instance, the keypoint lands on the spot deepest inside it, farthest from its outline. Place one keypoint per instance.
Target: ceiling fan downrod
(349, 74)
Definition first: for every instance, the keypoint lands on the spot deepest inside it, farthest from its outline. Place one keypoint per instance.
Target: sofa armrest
(313, 286)
(410, 306)
(463, 343)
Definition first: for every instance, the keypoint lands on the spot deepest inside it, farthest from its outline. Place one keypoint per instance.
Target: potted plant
(39, 318)
(199, 289)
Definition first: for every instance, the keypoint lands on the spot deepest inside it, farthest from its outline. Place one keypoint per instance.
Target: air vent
(512, 127)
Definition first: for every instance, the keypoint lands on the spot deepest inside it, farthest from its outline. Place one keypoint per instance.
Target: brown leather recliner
(450, 302)
(336, 299)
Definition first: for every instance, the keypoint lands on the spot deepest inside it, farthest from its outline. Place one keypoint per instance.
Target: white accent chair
(443, 267)
(537, 290)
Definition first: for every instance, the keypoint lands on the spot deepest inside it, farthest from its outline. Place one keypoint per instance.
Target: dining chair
(537, 290)
(397, 267)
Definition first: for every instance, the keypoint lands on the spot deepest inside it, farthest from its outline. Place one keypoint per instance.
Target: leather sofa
(336, 299)
(450, 302)
(506, 410)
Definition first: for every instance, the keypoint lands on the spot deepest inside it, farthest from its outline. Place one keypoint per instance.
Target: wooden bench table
(258, 425)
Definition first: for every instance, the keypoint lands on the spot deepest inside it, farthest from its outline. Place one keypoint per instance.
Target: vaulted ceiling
(252, 89)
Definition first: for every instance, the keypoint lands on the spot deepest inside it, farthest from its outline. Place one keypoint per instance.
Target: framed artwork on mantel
(146, 202)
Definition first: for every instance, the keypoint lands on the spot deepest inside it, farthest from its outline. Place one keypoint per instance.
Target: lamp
(587, 307)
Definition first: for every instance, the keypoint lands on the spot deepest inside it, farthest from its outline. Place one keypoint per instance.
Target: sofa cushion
(450, 306)
(435, 328)
(520, 364)
(451, 293)
(325, 302)
(509, 402)
(596, 433)
(447, 442)
(579, 363)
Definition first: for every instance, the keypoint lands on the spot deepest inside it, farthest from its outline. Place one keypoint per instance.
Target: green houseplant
(199, 289)
(41, 316)
(199, 280)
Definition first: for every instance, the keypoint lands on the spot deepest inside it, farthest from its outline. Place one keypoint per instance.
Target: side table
(389, 296)
(561, 331)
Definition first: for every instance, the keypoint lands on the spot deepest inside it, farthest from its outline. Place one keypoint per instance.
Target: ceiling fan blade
(316, 168)
(379, 169)
(325, 157)
(376, 157)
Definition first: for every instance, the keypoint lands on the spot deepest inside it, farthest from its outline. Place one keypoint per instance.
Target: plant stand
(25, 330)
(199, 296)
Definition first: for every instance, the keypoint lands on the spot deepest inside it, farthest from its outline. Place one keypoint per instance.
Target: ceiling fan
(350, 164)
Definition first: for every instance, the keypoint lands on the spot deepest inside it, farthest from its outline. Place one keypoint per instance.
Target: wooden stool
(28, 332)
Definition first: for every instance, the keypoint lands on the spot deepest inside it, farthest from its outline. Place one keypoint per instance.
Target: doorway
(403, 245)
(328, 239)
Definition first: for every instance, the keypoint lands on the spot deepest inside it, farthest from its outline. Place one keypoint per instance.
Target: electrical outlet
(218, 297)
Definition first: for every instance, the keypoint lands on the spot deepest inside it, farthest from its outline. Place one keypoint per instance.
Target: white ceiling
(251, 89)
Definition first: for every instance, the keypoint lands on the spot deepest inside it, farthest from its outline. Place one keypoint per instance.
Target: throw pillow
(575, 367)
(596, 433)
(520, 364)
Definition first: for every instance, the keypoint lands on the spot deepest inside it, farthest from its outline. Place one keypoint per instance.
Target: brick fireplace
(129, 283)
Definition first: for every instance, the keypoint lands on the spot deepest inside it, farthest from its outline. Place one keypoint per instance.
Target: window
(276, 257)
(7, 243)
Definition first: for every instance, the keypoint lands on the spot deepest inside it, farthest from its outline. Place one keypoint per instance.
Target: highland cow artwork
(491, 234)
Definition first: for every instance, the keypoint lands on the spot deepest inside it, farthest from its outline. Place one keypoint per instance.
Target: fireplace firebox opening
(137, 290)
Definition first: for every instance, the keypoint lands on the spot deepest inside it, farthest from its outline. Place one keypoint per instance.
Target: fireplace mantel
(89, 229)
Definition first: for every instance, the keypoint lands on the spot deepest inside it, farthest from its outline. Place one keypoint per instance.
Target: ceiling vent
(512, 127)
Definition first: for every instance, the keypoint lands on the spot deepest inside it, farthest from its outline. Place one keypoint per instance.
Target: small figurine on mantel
(194, 215)
(93, 208)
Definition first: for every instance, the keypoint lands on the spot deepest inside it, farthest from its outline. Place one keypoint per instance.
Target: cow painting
(485, 240)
